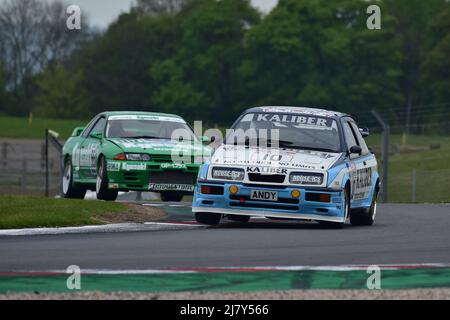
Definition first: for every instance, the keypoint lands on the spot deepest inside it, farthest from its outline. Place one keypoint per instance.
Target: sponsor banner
(297, 121)
(144, 117)
(170, 187)
(133, 166)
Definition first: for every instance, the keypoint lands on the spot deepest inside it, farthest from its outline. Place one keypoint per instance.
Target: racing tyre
(238, 218)
(339, 225)
(208, 218)
(365, 217)
(171, 196)
(70, 191)
(103, 193)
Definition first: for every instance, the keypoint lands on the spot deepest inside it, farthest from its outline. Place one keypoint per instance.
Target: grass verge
(33, 212)
(14, 127)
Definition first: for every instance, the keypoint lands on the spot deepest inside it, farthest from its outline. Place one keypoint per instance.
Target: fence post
(385, 155)
(414, 181)
(5, 153)
(47, 192)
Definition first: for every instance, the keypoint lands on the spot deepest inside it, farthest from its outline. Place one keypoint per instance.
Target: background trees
(209, 60)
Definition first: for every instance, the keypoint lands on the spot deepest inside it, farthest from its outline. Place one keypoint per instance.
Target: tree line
(209, 60)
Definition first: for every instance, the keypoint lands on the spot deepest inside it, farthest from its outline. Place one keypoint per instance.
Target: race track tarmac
(402, 234)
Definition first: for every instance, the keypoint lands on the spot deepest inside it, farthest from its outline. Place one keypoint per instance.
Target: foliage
(61, 95)
(209, 60)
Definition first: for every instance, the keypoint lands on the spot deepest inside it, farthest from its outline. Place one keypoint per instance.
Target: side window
(89, 127)
(361, 141)
(99, 126)
(349, 136)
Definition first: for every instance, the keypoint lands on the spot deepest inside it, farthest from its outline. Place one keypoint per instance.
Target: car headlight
(235, 174)
(308, 178)
(137, 157)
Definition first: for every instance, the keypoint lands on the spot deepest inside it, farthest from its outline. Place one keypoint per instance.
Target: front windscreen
(148, 127)
(295, 131)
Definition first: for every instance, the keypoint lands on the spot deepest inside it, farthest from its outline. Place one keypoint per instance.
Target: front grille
(173, 176)
(130, 176)
(273, 178)
(161, 158)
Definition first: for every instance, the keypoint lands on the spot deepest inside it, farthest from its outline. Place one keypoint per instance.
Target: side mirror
(355, 149)
(77, 132)
(206, 139)
(364, 131)
(96, 135)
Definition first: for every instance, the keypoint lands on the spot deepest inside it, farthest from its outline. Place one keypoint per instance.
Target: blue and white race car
(290, 163)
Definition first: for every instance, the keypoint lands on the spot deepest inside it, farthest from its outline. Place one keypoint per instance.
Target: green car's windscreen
(148, 128)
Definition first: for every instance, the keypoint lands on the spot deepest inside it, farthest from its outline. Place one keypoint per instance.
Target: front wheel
(70, 191)
(103, 193)
(208, 218)
(365, 217)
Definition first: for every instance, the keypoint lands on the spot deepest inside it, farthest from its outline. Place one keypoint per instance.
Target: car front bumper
(286, 207)
(151, 176)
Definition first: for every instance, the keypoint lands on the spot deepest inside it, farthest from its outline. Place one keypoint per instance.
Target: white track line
(341, 268)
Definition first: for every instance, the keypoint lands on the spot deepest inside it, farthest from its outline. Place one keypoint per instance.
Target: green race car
(139, 151)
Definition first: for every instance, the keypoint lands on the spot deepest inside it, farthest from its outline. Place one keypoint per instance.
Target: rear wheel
(70, 191)
(208, 218)
(171, 196)
(238, 218)
(103, 193)
(365, 217)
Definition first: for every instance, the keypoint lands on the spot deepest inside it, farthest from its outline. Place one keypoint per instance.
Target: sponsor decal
(267, 170)
(113, 166)
(137, 166)
(174, 165)
(264, 195)
(170, 186)
(145, 117)
(298, 121)
(113, 186)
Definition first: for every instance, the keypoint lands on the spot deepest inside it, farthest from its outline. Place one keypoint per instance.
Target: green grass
(32, 212)
(432, 169)
(12, 127)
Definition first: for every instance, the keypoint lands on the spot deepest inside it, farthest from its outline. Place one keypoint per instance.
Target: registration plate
(264, 195)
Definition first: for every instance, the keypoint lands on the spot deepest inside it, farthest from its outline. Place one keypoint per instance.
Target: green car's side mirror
(206, 139)
(77, 132)
(96, 135)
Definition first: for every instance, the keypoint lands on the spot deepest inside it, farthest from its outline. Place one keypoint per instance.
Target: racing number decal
(88, 158)
(361, 183)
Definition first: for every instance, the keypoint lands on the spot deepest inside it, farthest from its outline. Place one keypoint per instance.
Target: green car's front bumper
(152, 176)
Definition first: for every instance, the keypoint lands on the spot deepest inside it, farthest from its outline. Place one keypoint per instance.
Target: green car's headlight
(308, 178)
(137, 157)
(235, 174)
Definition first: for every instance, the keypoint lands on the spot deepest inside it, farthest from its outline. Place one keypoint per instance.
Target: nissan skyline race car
(290, 163)
(140, 151)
